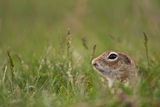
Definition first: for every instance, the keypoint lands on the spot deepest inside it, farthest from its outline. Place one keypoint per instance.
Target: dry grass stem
(84, 41)
(4, 75)
(69, 72)
(68, 41)
(146, 47)
(93, 52)
(10, 61)
(11, 64)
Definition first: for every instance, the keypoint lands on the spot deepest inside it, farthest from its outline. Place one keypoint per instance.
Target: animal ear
(127, 60)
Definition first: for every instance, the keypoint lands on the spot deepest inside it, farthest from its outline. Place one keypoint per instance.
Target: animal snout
(94, 63)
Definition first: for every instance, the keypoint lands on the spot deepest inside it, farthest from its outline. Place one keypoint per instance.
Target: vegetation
(46, 48)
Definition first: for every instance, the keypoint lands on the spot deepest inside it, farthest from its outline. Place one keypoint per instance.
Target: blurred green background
(28, 27)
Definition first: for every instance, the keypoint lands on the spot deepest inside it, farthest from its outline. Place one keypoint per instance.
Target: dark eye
(112, 56)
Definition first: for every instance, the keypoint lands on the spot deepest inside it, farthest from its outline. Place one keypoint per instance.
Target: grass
(46, 50)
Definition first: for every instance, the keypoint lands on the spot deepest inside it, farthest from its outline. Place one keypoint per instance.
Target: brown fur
(122, 68)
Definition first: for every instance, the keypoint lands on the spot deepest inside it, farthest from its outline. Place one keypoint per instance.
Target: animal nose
(94, 63)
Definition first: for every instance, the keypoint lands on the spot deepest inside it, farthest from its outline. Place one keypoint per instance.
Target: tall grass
(58, 81)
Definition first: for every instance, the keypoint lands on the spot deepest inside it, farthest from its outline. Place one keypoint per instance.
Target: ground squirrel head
(115, 65)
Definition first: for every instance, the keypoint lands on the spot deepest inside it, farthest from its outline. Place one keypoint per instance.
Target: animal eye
(112, 56)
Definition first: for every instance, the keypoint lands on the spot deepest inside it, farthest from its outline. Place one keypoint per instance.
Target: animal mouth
(100, 70)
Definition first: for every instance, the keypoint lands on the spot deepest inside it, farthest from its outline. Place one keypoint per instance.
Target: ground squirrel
(115, 65)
